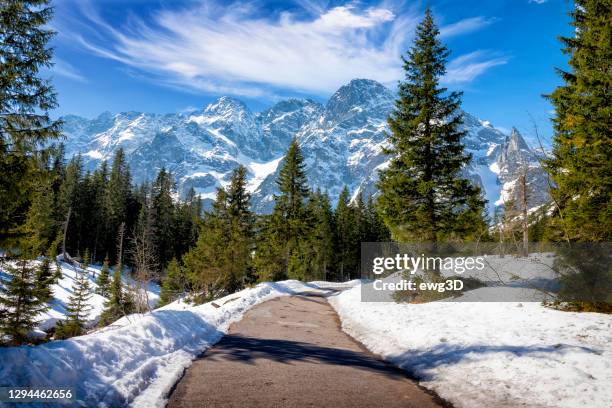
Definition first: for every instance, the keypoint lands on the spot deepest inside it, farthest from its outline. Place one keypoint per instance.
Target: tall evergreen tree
(117, 198)
(206, 264)
(221, 259)
(347, 235)
(163, 216)
(581, 167)
(41, 226)
(423, 196)
(282, 249)
(25, 102)
(174, 283)
(322, 238)
(20, 299)
(114, 306)
(78, 308)
(44, 279)
(103, 280)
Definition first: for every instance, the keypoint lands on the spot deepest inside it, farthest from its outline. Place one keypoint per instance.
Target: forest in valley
(53, 210)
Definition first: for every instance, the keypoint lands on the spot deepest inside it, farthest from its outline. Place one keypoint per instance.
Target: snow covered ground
(489, 354)
(63, 289)
(138, 359)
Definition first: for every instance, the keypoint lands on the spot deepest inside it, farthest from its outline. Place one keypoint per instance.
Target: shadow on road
(235, 347)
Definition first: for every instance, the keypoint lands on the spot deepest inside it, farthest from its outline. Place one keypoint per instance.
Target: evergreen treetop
(423, 195)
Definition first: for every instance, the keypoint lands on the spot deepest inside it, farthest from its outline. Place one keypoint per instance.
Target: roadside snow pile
(63, 289)
(489, 354)
(138, 359)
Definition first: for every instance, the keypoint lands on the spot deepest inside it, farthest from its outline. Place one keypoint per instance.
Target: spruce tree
(206, 264)
(282, 251)
(174, 283)
(20, 299)
(117, 198)
(41, 226)
(44, 279)
(114, 306)
(163, 216)
(86, 260)
(423, 195)
(581, 167)
(25, 102)
(378, 231)
(347, 232)
(322, 238)
(221, 259)
(78, 308)
(240, 223)
(103, 281)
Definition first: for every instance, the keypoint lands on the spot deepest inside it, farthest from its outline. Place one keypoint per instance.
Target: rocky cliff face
(342, 142)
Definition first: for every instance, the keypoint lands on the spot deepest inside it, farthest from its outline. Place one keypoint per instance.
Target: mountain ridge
(342, 142)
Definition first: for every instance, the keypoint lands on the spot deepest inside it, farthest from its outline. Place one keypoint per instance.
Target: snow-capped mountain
(342, 142)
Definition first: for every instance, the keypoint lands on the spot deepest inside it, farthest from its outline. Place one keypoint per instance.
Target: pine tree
(423, 196)
(44, 279)
(174, 283)
(163, 216)
(322, 238)
(282, 250)
(581, 167)
(240, 223)
(86, 259)
(206, 264)
(103, 280)
(19, 297)
(25, 102)
(221, 259)
(347, 232)
(117, 199)
(78, 308)
(40, 225)
(114, 306)
(378, 231)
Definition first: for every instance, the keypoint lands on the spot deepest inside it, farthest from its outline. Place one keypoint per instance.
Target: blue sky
(168, 56)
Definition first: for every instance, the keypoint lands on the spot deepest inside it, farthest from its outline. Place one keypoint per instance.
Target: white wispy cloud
(64, 69)
(234, 50)
(538, 1)
(468, 66)
(465, 26)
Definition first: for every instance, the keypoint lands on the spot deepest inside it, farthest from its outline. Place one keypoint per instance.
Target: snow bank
(63, 289)
(138, 359)
(489, 354)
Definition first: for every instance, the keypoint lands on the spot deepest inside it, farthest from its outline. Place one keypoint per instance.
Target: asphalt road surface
(291, 352)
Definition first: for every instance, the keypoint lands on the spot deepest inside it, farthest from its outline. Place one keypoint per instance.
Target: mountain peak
(358, 93)
(225, 104)
(515, 141)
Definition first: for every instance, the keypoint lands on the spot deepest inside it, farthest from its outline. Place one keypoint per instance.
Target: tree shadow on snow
(417, 362)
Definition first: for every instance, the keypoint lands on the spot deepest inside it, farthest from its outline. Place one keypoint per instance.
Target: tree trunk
(523, 182)
(65, 232)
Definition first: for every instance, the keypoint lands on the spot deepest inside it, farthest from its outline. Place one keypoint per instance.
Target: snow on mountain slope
(342, 142)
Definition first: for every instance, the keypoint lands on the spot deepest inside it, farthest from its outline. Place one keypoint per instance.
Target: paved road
(290, 352)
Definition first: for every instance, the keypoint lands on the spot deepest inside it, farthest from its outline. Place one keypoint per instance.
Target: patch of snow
(489, 354)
